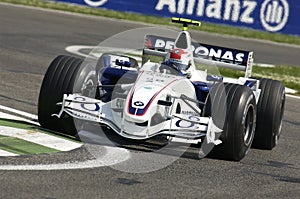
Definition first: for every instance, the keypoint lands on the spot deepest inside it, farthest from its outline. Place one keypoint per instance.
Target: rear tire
(65, 75)
(233, 109)
(270, 110)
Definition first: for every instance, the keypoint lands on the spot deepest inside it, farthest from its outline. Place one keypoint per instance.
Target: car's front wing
(184, 126)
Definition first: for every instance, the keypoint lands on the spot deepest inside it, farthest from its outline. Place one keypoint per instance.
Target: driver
(178, 59)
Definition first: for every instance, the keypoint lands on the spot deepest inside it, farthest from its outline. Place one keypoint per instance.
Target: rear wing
(205, 54)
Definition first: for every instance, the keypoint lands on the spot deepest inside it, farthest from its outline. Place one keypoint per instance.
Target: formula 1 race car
(170, 97)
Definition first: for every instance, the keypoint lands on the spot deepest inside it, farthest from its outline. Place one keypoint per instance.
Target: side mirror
(164, 103)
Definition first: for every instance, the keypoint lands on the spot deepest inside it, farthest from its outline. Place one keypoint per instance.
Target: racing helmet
(178, 59)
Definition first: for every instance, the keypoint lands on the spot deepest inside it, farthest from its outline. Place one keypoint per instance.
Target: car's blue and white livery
(140, 101)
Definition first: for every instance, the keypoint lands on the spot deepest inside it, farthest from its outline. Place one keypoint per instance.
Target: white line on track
(293, 96)
(18, 112)
(40, 138)
(13, 117)
(6, 153)
(112, 156)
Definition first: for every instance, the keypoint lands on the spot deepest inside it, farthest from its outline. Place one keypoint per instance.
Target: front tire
(233, 109)
(65, 75)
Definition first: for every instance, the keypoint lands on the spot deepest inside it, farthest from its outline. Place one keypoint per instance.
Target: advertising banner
(280, 16)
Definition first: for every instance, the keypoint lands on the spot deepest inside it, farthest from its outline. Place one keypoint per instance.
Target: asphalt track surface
(30, 39)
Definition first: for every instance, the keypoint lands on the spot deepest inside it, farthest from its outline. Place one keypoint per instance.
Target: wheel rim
(88, 88)
(249, 125)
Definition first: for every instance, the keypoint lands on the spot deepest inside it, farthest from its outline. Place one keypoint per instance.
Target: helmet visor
(180, 66)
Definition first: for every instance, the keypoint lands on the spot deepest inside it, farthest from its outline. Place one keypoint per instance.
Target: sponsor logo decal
(187, 124)
(203, 50)
(227, 10)
(138, 103)
(274, 14)
(148, 87)
(266, 15)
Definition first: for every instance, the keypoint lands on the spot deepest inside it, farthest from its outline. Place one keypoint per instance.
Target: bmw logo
(138, 103)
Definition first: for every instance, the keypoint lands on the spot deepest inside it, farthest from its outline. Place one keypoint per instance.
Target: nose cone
(144, 94)
(141, 101)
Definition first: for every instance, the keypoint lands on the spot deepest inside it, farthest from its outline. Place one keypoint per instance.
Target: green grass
(290, 76)
(221, 29)
(23, 147)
